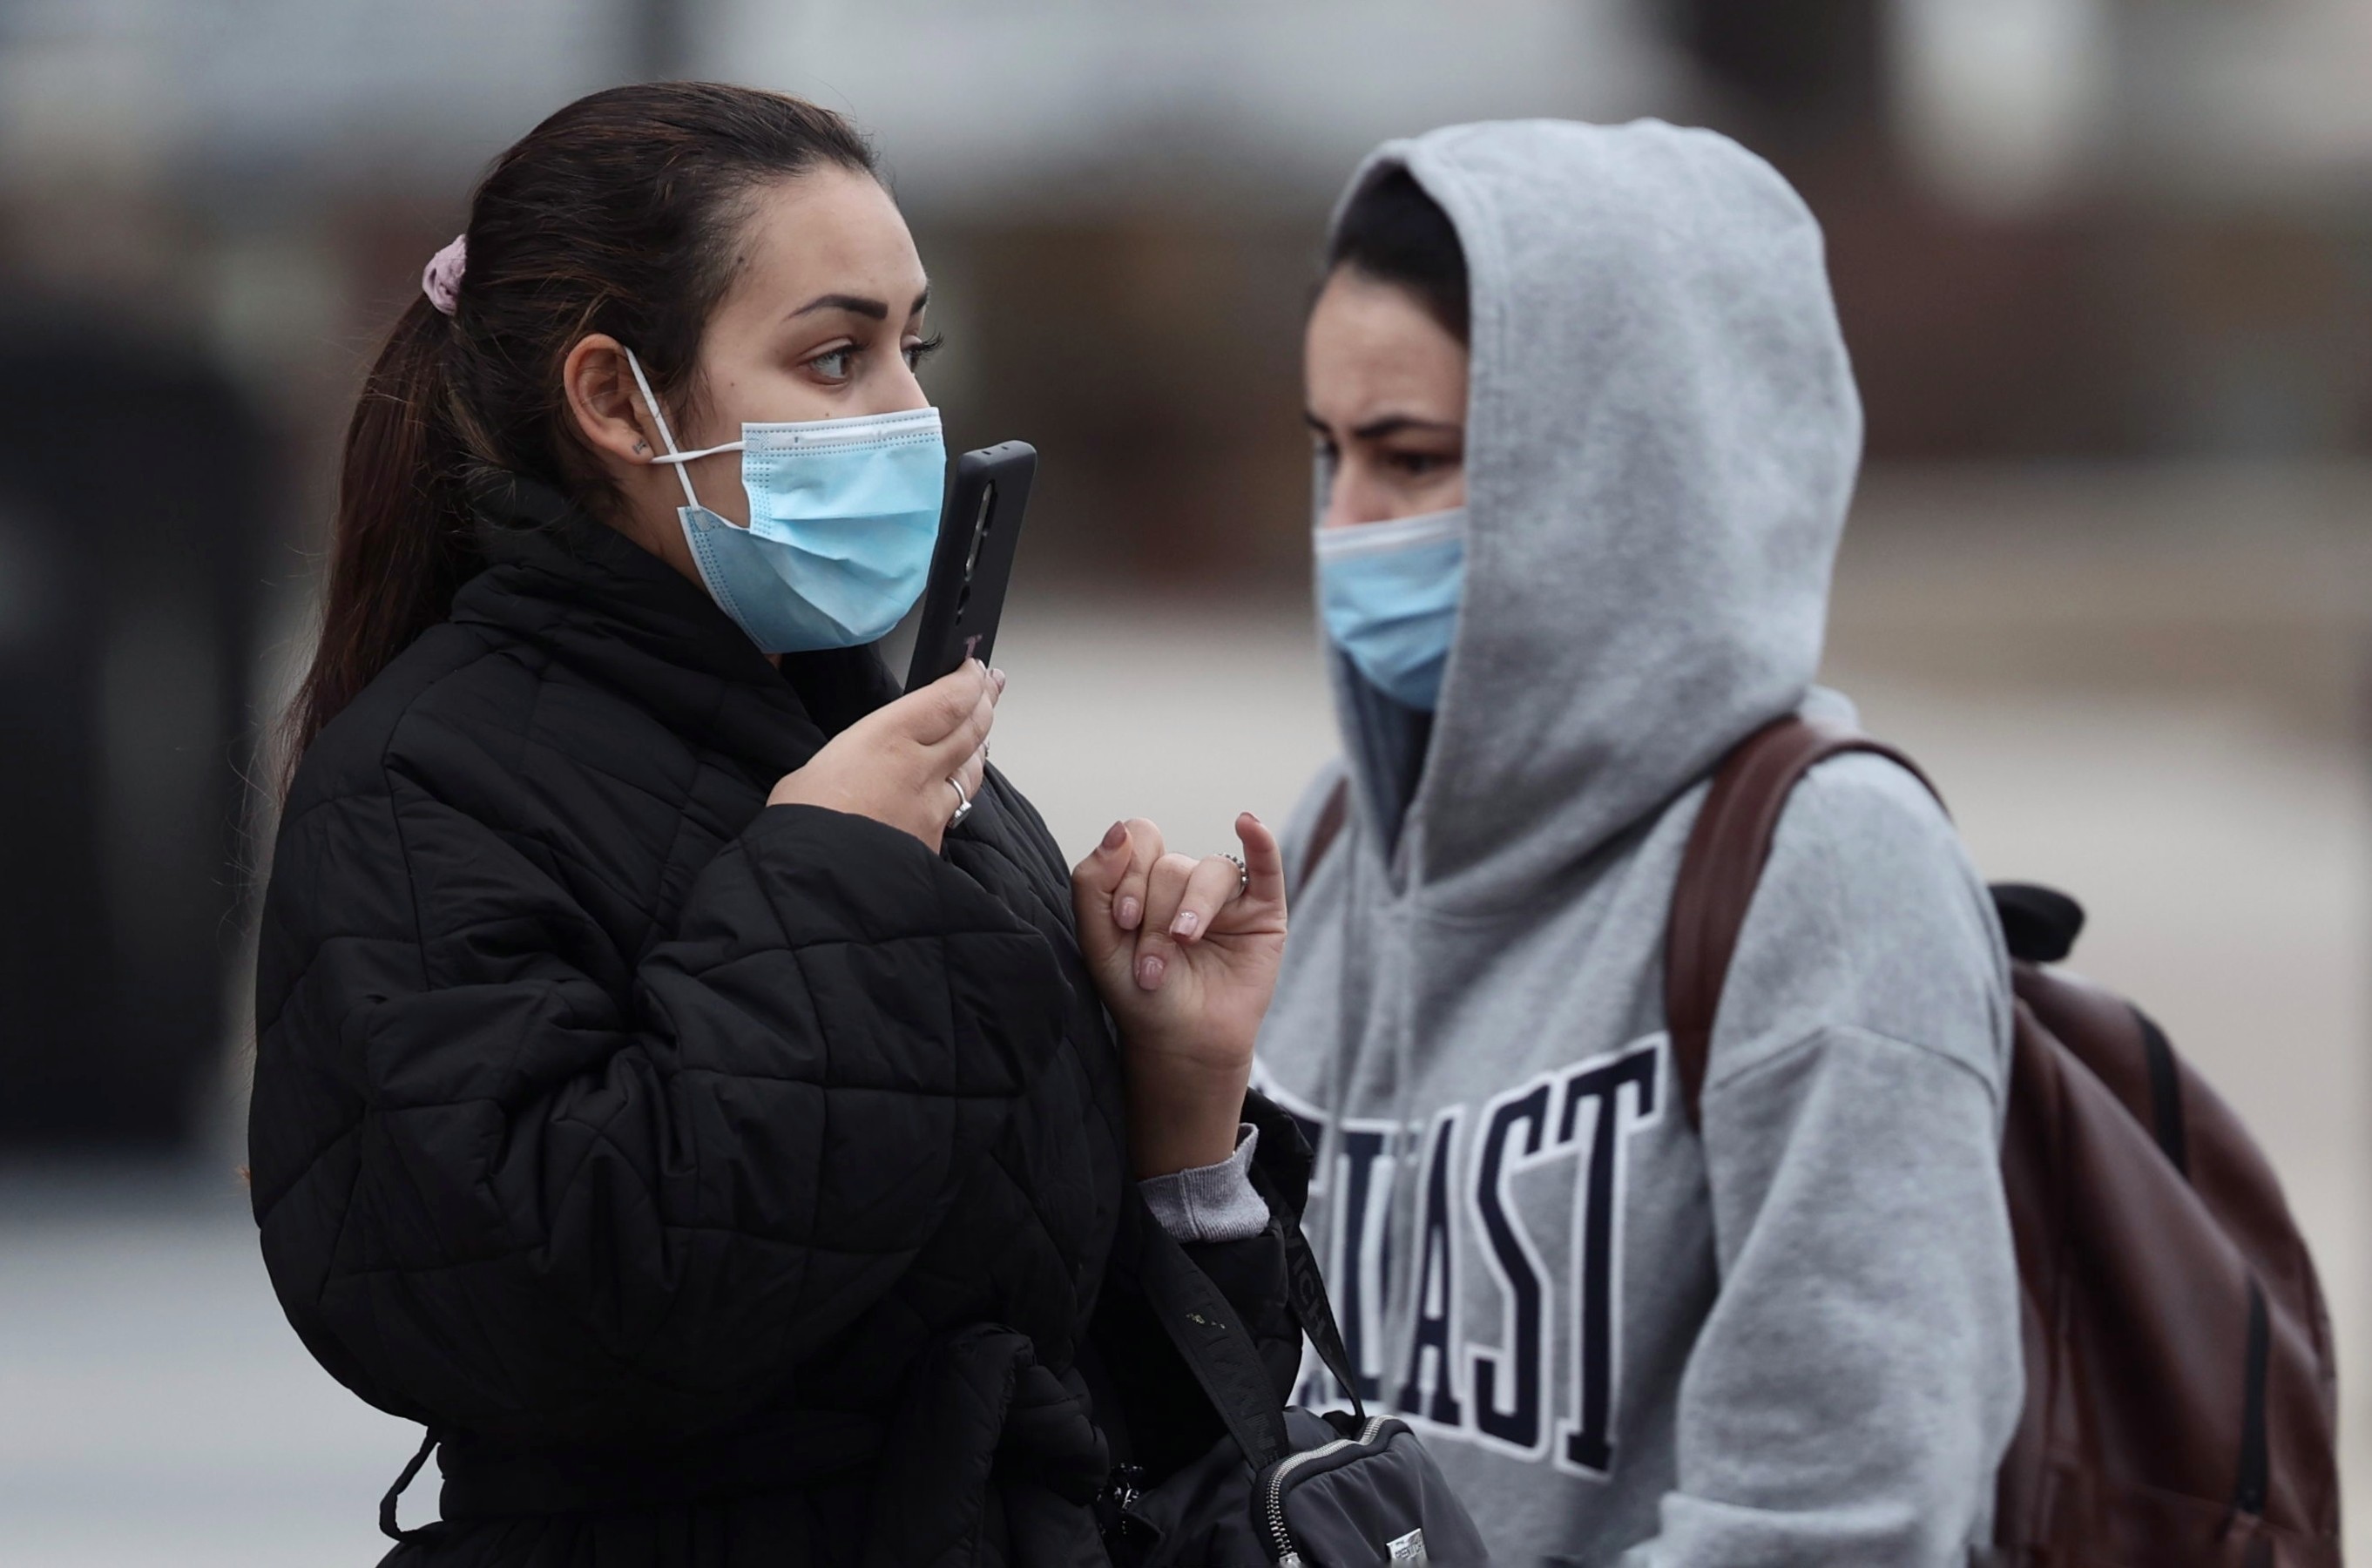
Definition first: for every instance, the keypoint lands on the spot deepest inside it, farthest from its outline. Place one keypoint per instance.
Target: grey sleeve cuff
(1211, 1202)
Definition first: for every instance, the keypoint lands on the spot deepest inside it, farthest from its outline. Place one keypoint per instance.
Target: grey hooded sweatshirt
(1791, 1338)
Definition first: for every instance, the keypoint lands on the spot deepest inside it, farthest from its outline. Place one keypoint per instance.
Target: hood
(1662, 434)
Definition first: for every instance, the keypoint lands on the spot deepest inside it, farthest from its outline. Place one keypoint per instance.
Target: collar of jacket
(591, 597)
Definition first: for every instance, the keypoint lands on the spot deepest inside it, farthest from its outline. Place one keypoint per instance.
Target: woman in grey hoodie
(1577, 513)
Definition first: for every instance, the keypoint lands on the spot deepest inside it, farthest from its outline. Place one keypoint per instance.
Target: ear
(605, 403)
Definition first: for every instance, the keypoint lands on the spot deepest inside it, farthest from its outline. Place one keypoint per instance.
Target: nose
(1353, 498)
(901, 389)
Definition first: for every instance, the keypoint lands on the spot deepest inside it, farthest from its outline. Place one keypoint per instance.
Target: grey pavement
(156, 1410)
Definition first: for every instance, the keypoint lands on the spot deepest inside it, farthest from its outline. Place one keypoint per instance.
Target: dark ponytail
(617, 215)
(402, 542)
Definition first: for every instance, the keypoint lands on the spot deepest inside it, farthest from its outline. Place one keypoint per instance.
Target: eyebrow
(1388, 424)
(857, 304)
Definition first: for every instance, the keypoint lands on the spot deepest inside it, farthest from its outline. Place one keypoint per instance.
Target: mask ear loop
(673, 458)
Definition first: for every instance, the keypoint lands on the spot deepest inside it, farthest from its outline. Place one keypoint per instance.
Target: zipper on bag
(1282, 1546)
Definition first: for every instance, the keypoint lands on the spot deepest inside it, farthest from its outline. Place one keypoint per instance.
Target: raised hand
(1185, 952)
(897, 763)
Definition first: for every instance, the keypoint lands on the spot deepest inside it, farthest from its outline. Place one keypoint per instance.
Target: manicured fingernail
(999, 677)
(1185, 925)
(1148, 971)
(1116, 835)
(1126, 913)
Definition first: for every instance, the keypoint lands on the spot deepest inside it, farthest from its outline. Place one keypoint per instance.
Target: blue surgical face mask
(1389, 593)
(843, 516)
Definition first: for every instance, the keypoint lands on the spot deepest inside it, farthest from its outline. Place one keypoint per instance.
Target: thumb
(938, 711)
(1264, 861)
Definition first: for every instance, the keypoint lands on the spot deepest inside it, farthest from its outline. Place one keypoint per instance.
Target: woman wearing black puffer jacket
(681, 1080)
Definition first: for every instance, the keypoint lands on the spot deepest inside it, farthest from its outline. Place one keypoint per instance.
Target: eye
(916, 353)
(836, 364)
(1417, 465)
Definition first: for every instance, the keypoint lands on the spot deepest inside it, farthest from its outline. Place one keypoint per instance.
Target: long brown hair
(616, 215)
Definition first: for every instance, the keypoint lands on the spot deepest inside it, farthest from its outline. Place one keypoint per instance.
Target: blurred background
(2105, 267)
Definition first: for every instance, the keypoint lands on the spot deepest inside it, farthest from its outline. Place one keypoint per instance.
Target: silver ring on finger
(963, 802)
(1243, 873)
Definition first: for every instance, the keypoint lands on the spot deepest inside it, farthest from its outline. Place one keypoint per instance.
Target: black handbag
(1286, 1486)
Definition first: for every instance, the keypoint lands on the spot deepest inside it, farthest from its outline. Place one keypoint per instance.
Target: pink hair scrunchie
(441, 279)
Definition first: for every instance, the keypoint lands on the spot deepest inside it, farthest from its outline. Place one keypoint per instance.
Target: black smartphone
(978, 528)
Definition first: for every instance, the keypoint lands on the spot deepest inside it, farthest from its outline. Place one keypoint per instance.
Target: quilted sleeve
(1164, 1418)
(504, 1189)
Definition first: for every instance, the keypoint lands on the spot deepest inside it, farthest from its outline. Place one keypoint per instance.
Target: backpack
(2181, 1401)
(2179, 1395)
(1286, 1488)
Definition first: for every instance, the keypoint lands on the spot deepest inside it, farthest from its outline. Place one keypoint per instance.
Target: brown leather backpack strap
(1331, 818)
(1721, 866)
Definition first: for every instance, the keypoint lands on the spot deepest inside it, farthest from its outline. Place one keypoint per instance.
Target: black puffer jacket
(720, 1184)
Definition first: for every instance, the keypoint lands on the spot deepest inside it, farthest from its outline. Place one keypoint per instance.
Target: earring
(641, 446)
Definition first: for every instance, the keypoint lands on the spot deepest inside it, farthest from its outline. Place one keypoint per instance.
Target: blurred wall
(133, 482)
